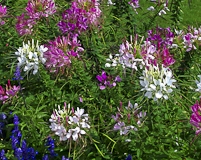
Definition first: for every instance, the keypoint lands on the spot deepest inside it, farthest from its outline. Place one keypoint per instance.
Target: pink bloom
(3, 11)
(107, 81)
(60, 52)
(24, 25)
(37, 9)
(92, 9)
(9, 92)
(195, 119)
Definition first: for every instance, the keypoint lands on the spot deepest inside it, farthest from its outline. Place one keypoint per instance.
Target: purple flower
(9, 92)
(17, 74)
(40, 8)
(24, 25)
(45, 157)
(195, 119)
(51, 146)
(21, 151)
(107, 81)
(3, 11)
(60, 51)
(134, 4)
(73, 21)
(2, 155)
(79, 17)
(64, 158)
(2, 122)
(129, 157)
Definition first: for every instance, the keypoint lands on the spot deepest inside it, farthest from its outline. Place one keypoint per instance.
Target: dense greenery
(157, 129)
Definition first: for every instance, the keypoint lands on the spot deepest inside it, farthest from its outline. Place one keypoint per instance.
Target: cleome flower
(9, 92)
(24, 25)
(69, 124)
(37, 9)
(198, 83)
(127, 57)
(195, 119)
(3, 11)
(60, 52)
(29, 56)
(157, 82)
(128, 118)
(81, 15)
(107, 81)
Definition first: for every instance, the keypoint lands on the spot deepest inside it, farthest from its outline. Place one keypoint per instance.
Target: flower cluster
(157, 82)
(30, 55)
(69, 124)
(21, 151)
(127, 116)
(128, 56)
(161, 37)
(81, 15)
(2, 122)
(191, 38)
(40, 8)
(157, 47)
(195, 119)
(134, 4)
(50, 144)
(17, 74)
(2, 155)
(3, 11)
(107, 81)
(60, 52)
(9, 92)
(34, 11)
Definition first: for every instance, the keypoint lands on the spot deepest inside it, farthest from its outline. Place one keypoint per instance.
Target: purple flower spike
(129, 157)
(17, 74)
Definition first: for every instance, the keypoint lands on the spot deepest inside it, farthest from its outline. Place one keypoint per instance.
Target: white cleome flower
(198, 83)
(157, 83)
(68, 124)
(30, 55)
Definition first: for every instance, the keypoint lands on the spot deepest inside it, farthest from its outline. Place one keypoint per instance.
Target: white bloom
(157, 83)
(198, 83)
(68, 124)
(151, 8)
(30, 55)
(109, 2)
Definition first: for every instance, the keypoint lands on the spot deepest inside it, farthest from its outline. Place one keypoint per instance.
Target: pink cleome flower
(9, 92)
(40, 8)
(195, 119)
(60, 52)
(3, 11)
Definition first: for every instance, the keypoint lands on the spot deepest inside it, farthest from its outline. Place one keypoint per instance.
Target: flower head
(134, 4)
(3, 11)
(40, 8)
(24, 25)
(195, 119)
(198, 83)
(127, 116)
(157, 82)
(17, 74)
(69, 124)
(9, 92)
(107, 81)
(30, 55)
(2, 155)
(60, 51)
